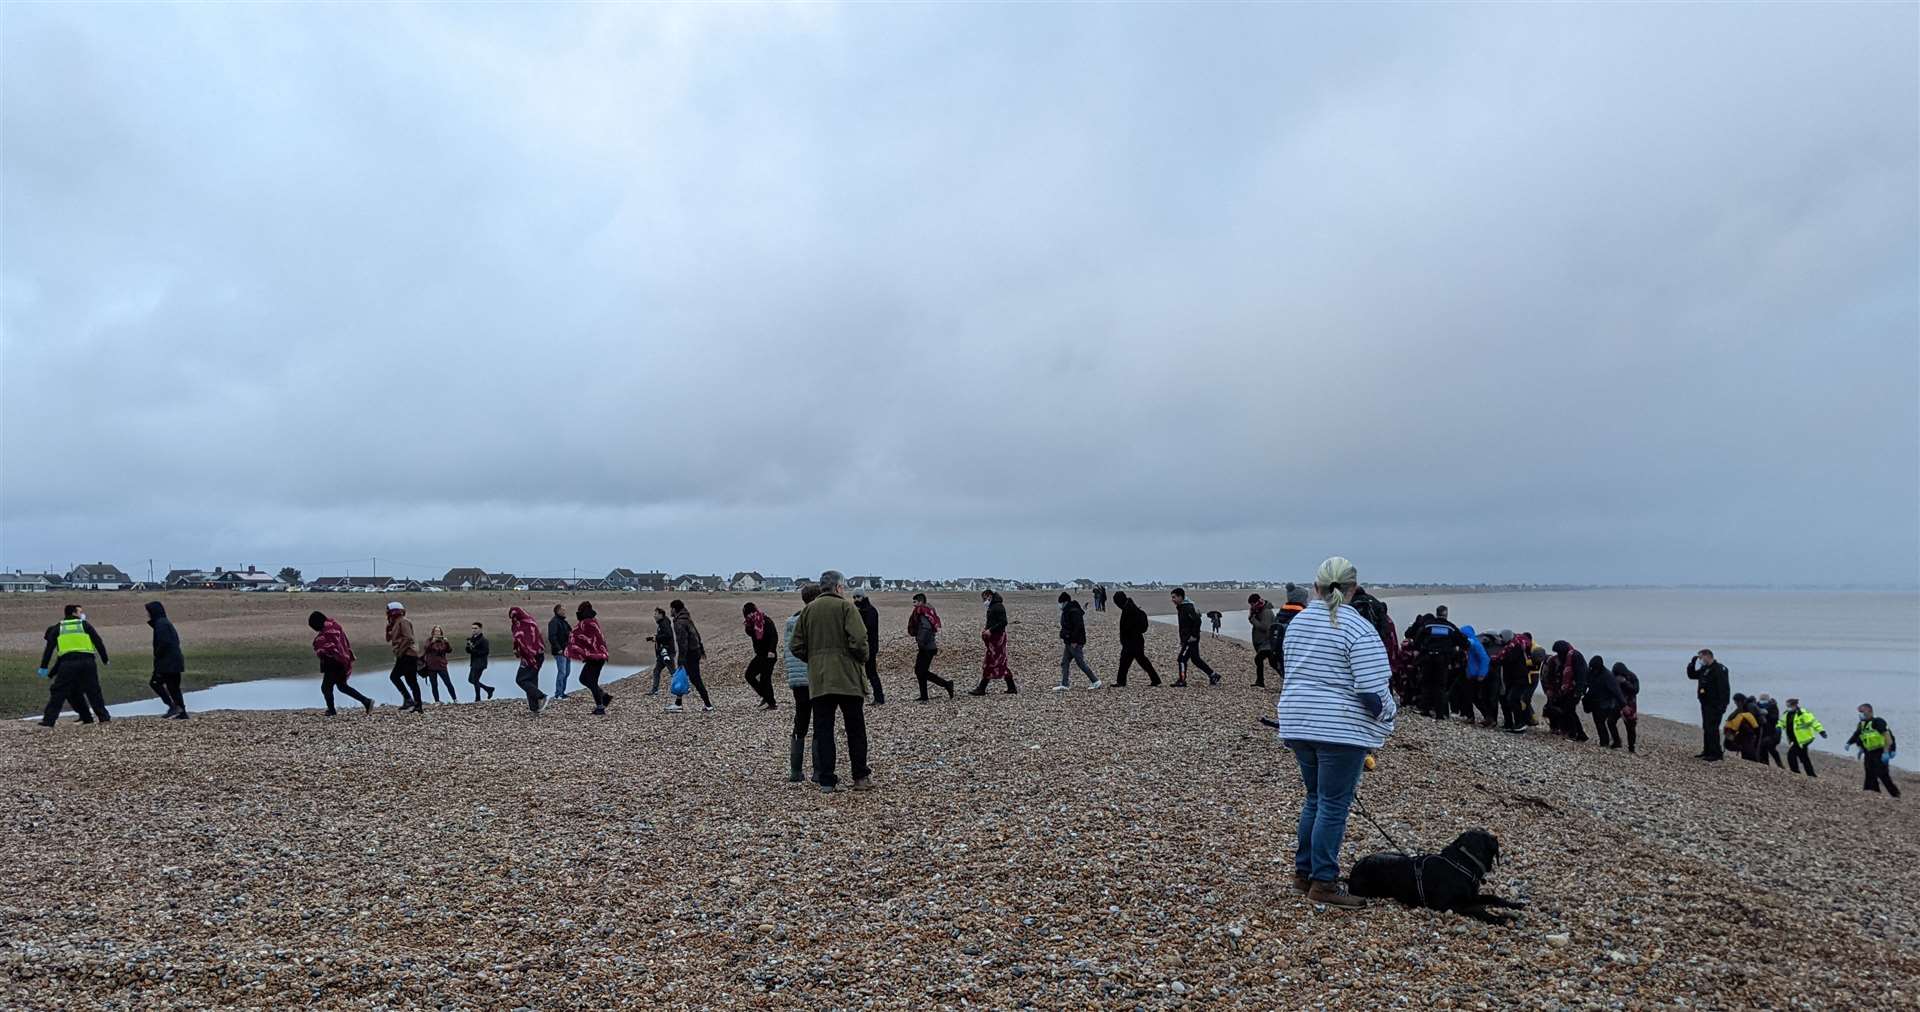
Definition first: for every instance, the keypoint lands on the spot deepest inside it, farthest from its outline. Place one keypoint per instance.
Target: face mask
(82, 616)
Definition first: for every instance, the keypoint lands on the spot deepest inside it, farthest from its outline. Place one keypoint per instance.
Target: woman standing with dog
(1334, 708)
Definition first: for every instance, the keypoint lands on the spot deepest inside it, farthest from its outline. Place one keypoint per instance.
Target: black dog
(1449, 880)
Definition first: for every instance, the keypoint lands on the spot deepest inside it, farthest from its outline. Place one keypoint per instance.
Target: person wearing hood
(1515, 684)
(1800, 727)
(870, 616)
(1479, 678)
(924, 626)
(1260, 619)
(993, 636)
(766, 646)
(1603, 700)
(1629, 685)
(832, 640)
(168, 662)
(478, 651)
(662, 640)
(1565, 678)
(802, 693)
(1133, 640)
(689, 650)
(558, 632)
(1713, 686)
(1297, 600)
(336, 658)
(1768, 712)
(433, 659)
(1189, 616)
(406, 657)
(588, 645)
(1073, 643)
(1742, 730)
(531, 651)
(75, 652)
(1440, 647)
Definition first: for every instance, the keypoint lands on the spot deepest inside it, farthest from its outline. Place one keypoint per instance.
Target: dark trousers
(802, 710)
(406, 678)
(1190, 654)
(1261, 658)
(1132, 651)
(528, 679)
(1606, 724)
(923, 673)
(1486, 694)
(590, 677)
(1513, 706)
(1711, 715)
(759, 677)
(1433, 685)
(437, 675)
(166, 685)
(1633, 729)
(76, 683)
(1770, 752)
(334, 676)
(1878, 774)
(474, 670)
(662, 661)
(1797, 757)
(873, 675)
(853, 708)
(693, 676)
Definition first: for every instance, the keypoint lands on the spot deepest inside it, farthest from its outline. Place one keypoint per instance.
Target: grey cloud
(1555, 293)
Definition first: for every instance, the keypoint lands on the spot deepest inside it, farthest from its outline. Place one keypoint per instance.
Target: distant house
(687, 582)
(464, 578)
(779, 584)
(98, 576)
(501, 581)
(866, 583)
(24, 583)
(250, 578)
(746, 582)
(344, 584)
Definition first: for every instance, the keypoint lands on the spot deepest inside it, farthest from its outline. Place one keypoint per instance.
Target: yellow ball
(1370, 762)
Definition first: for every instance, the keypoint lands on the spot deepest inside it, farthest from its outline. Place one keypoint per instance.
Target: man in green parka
(831, 638)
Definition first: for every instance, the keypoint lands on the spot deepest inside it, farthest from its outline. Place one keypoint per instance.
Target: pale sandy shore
(1119, 849)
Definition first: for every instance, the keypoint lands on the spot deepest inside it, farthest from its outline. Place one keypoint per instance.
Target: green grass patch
(23, 693)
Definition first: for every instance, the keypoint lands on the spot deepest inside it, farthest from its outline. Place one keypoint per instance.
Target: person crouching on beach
(433, 657)
(993, 661)
(478, 650)
(1334, 708)
(766, 646)
(802, 692)
(588, 645)
(531, 651)
(831, 639)
(406, 657)
(335, 654)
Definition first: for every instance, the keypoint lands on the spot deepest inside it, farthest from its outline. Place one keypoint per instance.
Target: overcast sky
(1491, 292)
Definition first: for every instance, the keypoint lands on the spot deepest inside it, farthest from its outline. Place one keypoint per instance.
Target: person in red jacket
(531, 651)
(589, 646)
(336, 660)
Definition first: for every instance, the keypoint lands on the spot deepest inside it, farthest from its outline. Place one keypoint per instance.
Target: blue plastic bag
(680, 682)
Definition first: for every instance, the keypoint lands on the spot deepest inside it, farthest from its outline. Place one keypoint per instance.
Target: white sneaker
(1060, 688)
(673, 707)
(707, 709)
(1096, 684)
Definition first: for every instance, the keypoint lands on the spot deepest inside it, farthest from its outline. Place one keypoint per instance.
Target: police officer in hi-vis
(72, 646)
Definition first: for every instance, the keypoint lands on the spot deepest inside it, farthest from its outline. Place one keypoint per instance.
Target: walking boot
(1333, 894)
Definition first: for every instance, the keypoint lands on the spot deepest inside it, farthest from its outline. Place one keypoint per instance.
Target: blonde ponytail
(1333, 579)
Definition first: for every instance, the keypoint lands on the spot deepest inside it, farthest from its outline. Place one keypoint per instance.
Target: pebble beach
(1126, 848)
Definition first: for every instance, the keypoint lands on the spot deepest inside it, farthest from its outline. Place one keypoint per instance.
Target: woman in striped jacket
(1334, 709)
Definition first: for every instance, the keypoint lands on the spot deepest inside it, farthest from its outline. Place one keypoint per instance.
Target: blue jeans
(561, 665)
(1329, 773)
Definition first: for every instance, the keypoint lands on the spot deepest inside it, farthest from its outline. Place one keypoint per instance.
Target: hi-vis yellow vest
(1870, 739)
(73, 638)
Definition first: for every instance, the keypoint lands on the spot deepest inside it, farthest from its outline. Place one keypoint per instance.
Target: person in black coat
(870, 616)
(1133, 640)
(168, 663)
(479, 650)
(662, 640)
(1073, 642)
(1715, 689)
(1604, 701)
(558, 633)
(1189, 615)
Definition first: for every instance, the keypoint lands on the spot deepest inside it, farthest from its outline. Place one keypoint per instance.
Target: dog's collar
(1483, 869)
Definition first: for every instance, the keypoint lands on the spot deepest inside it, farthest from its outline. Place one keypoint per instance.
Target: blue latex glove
(1890, 756)
(1371, 700)
(42, 672)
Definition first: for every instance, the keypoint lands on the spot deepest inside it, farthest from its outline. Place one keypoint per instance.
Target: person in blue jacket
(1478, 681)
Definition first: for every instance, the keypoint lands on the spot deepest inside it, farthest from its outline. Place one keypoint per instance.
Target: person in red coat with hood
(589, 646)
(336, 660)
(531, 650)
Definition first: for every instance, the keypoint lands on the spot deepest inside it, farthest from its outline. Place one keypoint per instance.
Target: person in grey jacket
(797, 682)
